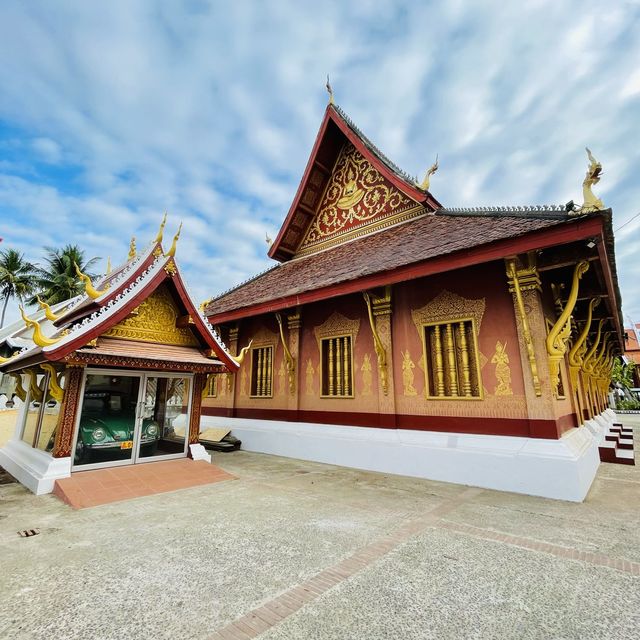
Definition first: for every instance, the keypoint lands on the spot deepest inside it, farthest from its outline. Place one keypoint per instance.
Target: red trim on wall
(519, 427)
(469, 257)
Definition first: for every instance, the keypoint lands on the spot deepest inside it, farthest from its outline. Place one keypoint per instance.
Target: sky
(113, 112)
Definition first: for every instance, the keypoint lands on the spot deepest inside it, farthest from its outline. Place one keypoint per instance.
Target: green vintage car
(106, 427)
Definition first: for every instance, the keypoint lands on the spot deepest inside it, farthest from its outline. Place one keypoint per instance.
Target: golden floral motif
(356, 194)
(503, 372)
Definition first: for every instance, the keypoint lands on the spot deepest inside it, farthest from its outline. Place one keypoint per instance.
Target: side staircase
(617, 445)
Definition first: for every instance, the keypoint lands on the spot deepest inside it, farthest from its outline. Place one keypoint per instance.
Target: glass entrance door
(108, 419)
(164, 422)
(131, 417)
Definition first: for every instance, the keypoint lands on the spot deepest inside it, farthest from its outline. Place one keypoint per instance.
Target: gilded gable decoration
(356, 195)
(447, 306)
(337, 325)
(154, 321)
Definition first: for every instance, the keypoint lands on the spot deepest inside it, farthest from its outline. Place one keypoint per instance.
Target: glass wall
(164, 421)
(107, 420)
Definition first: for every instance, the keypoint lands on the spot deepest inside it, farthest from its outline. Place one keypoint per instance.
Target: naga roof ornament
(594, 171)
(424, 185)
(38, 337)
(47, 310)
(90, 290)
(158, 239)
(172, 250)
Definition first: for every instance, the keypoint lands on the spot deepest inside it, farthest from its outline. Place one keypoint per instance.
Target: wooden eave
(332, 117)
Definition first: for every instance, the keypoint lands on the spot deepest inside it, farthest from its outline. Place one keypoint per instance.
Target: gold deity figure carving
(367, 377)
(310, 374)
(407, 374)
(503, 371)
(351, 194)
(281, 374)
(243, 382)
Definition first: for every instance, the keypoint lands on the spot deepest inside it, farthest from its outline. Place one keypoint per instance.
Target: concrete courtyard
(294, 549)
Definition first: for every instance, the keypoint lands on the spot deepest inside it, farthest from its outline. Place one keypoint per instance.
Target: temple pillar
(294, 324)
(525, 287)
(199, 382)
(381, 311)
(68, 412)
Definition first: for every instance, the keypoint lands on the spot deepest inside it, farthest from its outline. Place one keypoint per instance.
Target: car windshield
(112, 403)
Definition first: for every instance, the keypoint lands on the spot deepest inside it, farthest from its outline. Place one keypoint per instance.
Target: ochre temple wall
(485, 287)
(481, 291)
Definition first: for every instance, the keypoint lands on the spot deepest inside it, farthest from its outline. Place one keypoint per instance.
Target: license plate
(127, 444)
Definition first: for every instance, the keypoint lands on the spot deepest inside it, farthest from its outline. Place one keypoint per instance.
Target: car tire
(81, 453)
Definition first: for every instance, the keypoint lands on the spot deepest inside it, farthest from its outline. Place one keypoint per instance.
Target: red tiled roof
(149, 351)
(420, 239)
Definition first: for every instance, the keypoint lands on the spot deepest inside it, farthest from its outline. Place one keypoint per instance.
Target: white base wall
(35, 469)
(562, 469)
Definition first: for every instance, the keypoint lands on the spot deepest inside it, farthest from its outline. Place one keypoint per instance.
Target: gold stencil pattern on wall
(154, 321)
(356, 193)
(310, 374)
(243, 382)
(503, 372)
(367, 376)
(407, 374)
(281, 374)
(446, 306)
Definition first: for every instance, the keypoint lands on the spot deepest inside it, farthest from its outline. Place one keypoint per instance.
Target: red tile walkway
(101, 486)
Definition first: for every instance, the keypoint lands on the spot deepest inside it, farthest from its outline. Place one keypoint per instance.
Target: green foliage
(17, 278)
(623, 373)
(628, 405)
(57, 280)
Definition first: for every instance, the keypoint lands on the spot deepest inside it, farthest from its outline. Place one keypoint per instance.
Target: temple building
(396, 334)
(114, 376)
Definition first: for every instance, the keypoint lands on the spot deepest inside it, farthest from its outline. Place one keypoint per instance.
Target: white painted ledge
(563, 469)
(35, 469)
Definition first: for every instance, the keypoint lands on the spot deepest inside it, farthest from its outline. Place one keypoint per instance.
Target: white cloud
(209, 111)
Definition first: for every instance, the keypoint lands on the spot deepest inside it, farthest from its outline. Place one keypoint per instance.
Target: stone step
(625, 456)
(625, 443)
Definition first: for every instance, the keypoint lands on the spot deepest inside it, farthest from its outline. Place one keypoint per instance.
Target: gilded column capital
(294, 320)
(381, 305)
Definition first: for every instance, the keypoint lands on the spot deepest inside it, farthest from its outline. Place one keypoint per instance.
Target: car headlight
(99, 434)
(152, 430)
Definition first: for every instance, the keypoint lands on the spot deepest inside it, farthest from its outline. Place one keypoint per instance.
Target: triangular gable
(160, 290)
(348, 189)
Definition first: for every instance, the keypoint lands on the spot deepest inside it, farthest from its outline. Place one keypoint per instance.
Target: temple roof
(114, 300)
(425, 238)
(337, 136)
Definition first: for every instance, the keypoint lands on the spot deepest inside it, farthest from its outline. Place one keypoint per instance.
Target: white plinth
(563, 469)
(35, 469)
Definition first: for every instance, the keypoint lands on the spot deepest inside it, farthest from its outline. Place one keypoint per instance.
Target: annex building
(114, 376)
(399, 335)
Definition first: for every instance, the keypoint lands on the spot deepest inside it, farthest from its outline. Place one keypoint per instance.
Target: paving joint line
(274, 611)
(531, 544)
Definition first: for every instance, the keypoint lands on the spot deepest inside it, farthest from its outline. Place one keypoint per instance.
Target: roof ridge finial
(594, 171)
(132, 248)
(160, 233)
(172, 251)
(47, 309)
(424, 185)
(109, 269)
(89, 289)
(38, 337)
(330, 91)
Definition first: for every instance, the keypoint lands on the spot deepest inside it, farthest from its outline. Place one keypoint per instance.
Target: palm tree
(58, 280)
(17, 278)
